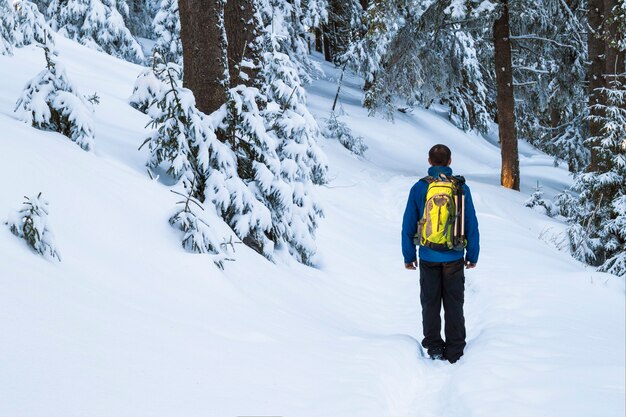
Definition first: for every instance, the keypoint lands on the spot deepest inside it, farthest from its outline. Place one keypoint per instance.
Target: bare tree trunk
(319, 40)
(505, 102)
(241, 31)
(204, 52)
(595, 74)
(327, 45)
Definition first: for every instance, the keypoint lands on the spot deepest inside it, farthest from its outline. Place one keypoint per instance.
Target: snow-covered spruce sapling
(166, 26)
(336, 129)
(148, 86)
(7, 28)
(50, 101)
(539, 203)
(197, 234)
(30, 224)
(30, 25)
(98, 24)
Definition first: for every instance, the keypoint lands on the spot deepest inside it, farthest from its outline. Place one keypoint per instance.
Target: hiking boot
(436, 353)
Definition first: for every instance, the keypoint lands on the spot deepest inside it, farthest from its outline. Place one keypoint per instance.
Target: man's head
(440, 155)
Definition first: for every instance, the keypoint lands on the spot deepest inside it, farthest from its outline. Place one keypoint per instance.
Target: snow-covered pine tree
(339, 130)
(147, 87)
(539, 203)
(166, 26)
(302, 162)
(179, 138)
(30, 223)
(98, 24)
(432, 59)
(50, 101)
(289, 22)
(30, 25)
(549, 64)
(140, 16)
(7, 28)
(185, 145)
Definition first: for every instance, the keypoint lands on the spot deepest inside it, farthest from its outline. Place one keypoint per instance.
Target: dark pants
(443, 281)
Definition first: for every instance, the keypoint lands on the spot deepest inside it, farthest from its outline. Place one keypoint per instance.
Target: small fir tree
(98, 24)
(30, 25)
(50, 101)
(339, 130)
(166, 26)
(539, 203)
(7, 28)
(31, 224)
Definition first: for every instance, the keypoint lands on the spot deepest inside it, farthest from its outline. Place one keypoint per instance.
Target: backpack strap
(429, 179)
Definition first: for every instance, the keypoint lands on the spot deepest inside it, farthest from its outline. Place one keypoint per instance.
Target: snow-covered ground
(129, 324)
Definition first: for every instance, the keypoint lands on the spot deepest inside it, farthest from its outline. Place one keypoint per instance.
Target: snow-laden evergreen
(296, 213)
(185, 145)
(538, 202)
(339, 130)
(289, 21)
(147, 88)
(98, 24)
(597, 233)
(30, 25)
(140, 16)
(30, 223)
(50, 101)
(166, 26)
(429, 60)
(7, 28)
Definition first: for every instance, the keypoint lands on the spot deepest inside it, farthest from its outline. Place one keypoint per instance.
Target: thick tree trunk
(595, 74)
(241, 31)
(509, 176)
(204, 52)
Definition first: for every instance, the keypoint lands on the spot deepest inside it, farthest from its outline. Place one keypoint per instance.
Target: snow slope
(129, 324)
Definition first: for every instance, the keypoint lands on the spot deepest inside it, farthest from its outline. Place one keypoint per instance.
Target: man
(441, 269)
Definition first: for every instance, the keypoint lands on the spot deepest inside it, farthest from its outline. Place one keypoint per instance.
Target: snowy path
(131, 325)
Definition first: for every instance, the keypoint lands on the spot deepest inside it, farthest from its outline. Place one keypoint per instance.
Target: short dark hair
(439, 155)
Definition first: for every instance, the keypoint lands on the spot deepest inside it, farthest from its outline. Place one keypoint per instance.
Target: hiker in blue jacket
(441, 269)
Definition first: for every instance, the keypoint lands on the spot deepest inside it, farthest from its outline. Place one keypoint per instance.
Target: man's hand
(412, 265)
(469, 265)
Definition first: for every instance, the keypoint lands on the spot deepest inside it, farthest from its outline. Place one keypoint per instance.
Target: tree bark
(319, 40)
(241, 31)
(204, 52)
(328, 56)
(509, 176)
(596, 47)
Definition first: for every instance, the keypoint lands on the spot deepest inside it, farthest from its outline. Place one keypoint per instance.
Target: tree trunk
(505, 102)
(595, 74)
(241, 31)
(204, 52)
(319, 40)
(327, 48)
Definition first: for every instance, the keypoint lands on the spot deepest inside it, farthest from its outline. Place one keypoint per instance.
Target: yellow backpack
(442, 226)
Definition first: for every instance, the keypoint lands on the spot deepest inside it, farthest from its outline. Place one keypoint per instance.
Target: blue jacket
(413, 212)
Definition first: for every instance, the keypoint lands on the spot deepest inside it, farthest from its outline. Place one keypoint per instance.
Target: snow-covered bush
(98, 24)
(198, 237)
(539, 203)
(336, 129)
(167, 32)
(146, 89)
(30, 25)
(7, 28)
(51, 102)
(31, 224)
